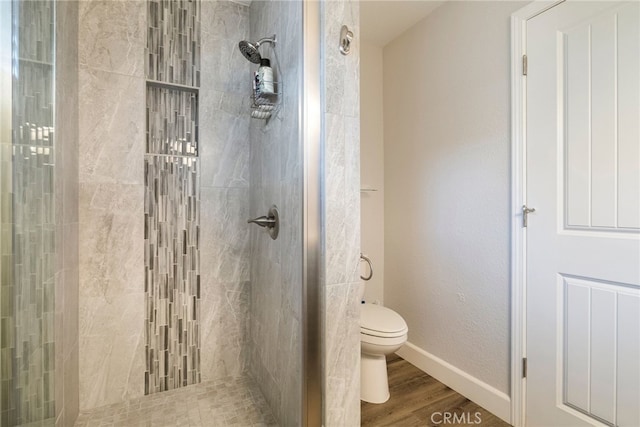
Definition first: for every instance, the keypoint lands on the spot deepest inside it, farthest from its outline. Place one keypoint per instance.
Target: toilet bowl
(382, 332)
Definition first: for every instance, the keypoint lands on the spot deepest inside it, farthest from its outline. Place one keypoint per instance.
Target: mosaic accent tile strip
(172, 280)
(33, 104)
(35, 36)
(172, 196)
(27, 283)
(28, 348)
(173, 41)
(229, 402)
(172, 126)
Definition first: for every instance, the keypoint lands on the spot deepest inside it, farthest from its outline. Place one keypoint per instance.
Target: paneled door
(582, 243)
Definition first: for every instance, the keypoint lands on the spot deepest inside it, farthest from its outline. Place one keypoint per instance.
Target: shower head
(250, 50)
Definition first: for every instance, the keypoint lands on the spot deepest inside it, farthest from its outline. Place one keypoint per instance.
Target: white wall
(372, 167)
(446, 167)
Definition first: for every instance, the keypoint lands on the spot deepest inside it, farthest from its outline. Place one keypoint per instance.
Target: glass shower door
(28, 266)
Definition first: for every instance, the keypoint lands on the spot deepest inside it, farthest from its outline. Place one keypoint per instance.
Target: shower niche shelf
(264, 105)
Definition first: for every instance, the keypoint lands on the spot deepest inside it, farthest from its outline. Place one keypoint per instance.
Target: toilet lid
(377, 318)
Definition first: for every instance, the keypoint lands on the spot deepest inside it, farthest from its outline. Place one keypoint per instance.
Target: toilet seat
(381, 322)
(382, 341)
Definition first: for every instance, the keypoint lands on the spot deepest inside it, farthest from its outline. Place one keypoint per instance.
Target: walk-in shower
(133, 288)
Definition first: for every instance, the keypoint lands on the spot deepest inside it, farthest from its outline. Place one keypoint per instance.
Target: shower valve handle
(263, 221)
(271, 221)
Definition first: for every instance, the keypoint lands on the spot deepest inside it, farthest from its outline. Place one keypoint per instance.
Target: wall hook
(346, 37)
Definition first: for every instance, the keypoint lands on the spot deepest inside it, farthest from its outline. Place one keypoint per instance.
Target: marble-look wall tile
(335, 183)
(112, 359)
(224, 101)
(111, 240)
(342, 217)
(111, 293)
(342, 356)
(225, 234)
(112, 127)
(342, 73)
(224, 139)
(276, 178)
(225, 328)
(111, 45)
(352, 198)
(225, 176)
(112, 36)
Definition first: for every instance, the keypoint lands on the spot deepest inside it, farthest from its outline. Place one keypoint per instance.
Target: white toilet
(382, 332)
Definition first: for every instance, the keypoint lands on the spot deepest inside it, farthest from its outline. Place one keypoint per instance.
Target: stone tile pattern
(27, 348)
(277, 178)
(342, 217)
(172, 197)
(111, 129)
(173, 41)
(224, 402)
(172, 281)
(36, 29)
(172, 117)
(224, 150)
(111, 50)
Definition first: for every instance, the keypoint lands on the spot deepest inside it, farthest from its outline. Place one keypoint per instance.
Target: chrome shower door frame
(312, 217)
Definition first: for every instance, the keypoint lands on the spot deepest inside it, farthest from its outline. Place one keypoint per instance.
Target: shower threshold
(226, 402)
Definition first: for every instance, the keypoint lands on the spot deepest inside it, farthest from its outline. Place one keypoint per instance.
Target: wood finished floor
(415, 396)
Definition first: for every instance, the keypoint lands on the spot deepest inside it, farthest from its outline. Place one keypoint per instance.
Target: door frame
(518, 199)
(310, 136)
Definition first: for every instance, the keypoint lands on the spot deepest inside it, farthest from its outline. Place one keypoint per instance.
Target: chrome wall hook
(346, 36)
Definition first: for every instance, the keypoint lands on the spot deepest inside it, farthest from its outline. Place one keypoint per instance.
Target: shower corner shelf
(264, 105)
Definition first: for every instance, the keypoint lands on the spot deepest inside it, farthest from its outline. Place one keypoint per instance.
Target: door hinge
(524, 65)
(524, 367)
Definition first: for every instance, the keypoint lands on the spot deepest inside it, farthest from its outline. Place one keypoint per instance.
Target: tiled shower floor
(232, 402)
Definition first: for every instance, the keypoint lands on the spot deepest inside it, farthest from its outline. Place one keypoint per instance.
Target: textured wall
(446, 129)
(276, 178)
(341, 116)
(67, 198)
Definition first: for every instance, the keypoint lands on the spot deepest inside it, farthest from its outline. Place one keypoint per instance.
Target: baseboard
(483, 394)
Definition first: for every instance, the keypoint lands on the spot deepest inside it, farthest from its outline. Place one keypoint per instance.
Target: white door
(582, 243)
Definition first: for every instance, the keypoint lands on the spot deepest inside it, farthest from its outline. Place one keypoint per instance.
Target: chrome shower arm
(271, 40)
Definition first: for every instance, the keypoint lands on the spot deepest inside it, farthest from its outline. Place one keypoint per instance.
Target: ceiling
(383, 20)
